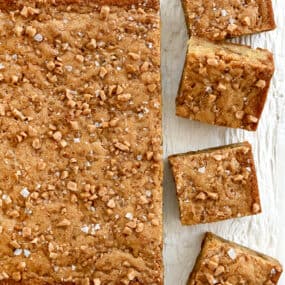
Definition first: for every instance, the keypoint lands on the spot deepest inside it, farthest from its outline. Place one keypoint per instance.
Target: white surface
(265, 232)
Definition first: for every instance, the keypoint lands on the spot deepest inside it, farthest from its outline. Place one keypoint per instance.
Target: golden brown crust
(224, 84)
(216, 183)
(7, 4)
(270, 14)
(80, 151)
(225, 261)
(264, 94)
(34, 282)
(227, 19)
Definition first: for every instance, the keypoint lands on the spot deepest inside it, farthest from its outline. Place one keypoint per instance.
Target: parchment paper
(265, 232)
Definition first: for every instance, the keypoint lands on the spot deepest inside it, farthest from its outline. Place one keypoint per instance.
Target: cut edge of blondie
(147, 3)
(245, 52)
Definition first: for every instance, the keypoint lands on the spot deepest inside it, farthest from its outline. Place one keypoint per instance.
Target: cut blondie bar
(224, 262)
(80, 142)
(220, 19)
(224, 84)
(216, 184)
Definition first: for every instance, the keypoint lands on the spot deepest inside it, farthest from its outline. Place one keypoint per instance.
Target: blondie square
(220, 19)
(224, 262)
(224, 84)
(80, 142)
(216, 184)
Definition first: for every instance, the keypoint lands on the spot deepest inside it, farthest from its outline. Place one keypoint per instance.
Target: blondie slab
(80, 142)
(220, 19)
(224, 84)
(216, 184)
(224, 262)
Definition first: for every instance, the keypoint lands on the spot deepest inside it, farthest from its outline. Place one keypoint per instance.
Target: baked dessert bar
(224, 84)
(224, 262)
(216, 184)
(217, 20)
(80, 151)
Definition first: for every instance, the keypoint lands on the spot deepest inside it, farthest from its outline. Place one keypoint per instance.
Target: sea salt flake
(228, 172)
(224, 13)
(156, 105)
(146, 110)
(25, 192)
(232, 253)
(76, 140)
(97, 227)
(85, 229)
(148, 193)
(150, 45)
(209, 89)
(139, 157)
(129, 216)
(27, 253)
(5, 197)
(18, 251)
(38, 38)
(202, 169)
(232, 20)
(94, 228)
